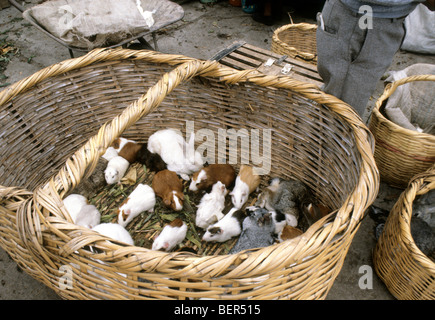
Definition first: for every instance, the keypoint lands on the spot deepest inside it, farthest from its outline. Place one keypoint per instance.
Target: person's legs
(351, 60)
(376, 55)
(334, 33)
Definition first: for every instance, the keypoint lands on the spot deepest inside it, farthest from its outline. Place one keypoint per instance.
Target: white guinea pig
(116, 169)
(171, 235)
(141, 199)
(114, 231)
(73, 204)
(211, 205)
(88, 216)
(110, 153)
(178, 155)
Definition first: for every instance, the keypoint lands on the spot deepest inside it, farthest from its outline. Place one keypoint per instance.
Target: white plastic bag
(420, 31)
(412, 105)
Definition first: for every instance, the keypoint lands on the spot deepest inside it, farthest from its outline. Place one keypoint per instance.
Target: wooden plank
(228, 61)
(297, 66)
(244, 56)
(300, 67)
(265, 52)
(253, 62)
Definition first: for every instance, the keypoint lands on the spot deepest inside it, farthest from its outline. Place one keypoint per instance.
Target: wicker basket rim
(300, 26)
(189, 68)
(388, 91)
(418, 185)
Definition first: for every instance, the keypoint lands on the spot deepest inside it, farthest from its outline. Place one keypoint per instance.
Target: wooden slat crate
(241, 55)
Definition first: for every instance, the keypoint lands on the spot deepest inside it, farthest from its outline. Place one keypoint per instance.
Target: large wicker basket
(405, 270)
(57, 122)
(400, 153)
(297, 41)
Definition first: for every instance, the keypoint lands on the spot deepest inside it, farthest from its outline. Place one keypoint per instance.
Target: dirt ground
(204, 30)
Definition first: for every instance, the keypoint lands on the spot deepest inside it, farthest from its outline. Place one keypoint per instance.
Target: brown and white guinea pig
(314, 212)
(288, 233)
(171, 235)
(205, 178)
(119, 143)
(152, 161)
(129, 151)
(169, 187)
(246, 182)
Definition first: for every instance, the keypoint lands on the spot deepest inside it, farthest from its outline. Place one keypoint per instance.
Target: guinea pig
(110, 153)
(205, 178)
(152, 161)
(258, 230)
(226, 228)
(175, 152)
(246, 182)
(114, 231)
(211, 205)
(119, 143)
(88, 216)
(288, 233)
(286, 196)
(169, 187)
(141, 199)
(171, 235)
(130, 150)
(73, 204)
(314, 212)
(95, 182)
(280, 220)
(116, 169)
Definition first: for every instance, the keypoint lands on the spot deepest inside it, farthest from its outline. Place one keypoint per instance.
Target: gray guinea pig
(258, 230)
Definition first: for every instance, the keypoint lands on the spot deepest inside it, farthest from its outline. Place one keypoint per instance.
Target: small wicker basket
(59, 121)
(297, 41)
(405, 270)
(400, 153)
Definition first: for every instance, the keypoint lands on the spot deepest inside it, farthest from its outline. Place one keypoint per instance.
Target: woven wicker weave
(400, 153)
(297, 41)
(60, 120)
(406, 271)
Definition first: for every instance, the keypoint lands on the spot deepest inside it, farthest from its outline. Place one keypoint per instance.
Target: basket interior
(301, 40)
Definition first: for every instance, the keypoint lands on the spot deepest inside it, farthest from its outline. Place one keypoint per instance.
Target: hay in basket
(59, 121)
(297, 41)
(400, 153)
(408, 273)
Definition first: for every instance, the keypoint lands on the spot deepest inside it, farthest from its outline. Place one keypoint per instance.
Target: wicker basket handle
(20, 219)
(391, 87)
(12, 197)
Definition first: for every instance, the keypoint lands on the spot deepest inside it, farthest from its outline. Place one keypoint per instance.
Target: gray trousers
(351, 60)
